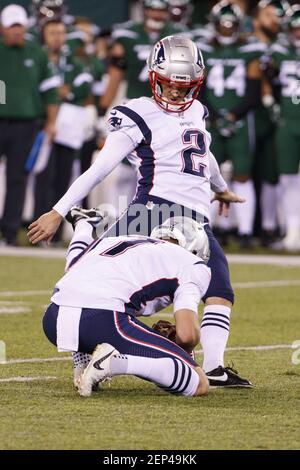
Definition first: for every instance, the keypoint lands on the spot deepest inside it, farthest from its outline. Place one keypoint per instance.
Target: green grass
(133, 414)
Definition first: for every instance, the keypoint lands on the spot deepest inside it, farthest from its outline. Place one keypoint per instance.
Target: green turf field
(132, 414)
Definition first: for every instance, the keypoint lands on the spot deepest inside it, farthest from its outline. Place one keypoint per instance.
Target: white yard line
(14, 310)
(263, 284)
(274, 260)
(236, 285)
(54, 253)
(36, 360)
(24, 293)
(26, 379)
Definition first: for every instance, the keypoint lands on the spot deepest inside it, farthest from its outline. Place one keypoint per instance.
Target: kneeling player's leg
(142, 352)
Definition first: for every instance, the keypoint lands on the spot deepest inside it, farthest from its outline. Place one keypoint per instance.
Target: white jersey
(135, 275)
(171, 151)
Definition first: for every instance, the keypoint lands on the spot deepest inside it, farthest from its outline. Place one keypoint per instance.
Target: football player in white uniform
(166, 138)
(114, 280)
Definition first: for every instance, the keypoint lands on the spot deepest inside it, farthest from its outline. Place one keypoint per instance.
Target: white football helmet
(189, 234)
(176, 60)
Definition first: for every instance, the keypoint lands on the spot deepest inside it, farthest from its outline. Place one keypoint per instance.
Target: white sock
(214, 335)
(290, 195)
(82, 238)
(245, 212)
(268, 203)
(171, 374)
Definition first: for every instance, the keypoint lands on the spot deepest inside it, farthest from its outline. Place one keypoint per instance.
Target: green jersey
(96, 68)
(71, 72)
(226, 68)
(74, 37)
(287, 61)
(29, 81)
(137, 44)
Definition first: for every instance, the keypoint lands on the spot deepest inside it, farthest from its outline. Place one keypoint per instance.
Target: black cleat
(227, 377)
(94, 216)
(245, 242)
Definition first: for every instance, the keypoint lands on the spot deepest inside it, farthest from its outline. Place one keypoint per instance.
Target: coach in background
(30, 88)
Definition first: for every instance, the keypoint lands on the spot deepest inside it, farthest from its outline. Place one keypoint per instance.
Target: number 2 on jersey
(192, 155)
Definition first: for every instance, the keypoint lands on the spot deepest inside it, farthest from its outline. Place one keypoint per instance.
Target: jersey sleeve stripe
(144, 152)
(138, 120)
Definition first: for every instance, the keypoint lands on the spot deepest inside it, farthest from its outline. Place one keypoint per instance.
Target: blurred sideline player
(181, 12)
(48, 10)
(166, 138)
(231, 92)
(93, 307)
(286, 62)
(268, 23)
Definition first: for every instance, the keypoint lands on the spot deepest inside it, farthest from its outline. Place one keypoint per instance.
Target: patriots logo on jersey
(115, 122)
(159, 54)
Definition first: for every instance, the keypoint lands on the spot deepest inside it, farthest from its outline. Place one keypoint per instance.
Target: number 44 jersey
(171, 152)
(227, 71)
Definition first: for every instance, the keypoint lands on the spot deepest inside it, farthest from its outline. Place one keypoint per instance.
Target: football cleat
(98, 219)
(227, 377)
(98, 369)
(78, 371)
(80, 362)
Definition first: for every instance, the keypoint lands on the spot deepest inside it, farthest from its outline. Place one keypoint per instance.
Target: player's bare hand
(225, 199)
(44, 228)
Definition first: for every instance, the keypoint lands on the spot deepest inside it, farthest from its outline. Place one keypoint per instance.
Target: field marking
(58, 253)
(27, 379)
(14, 310)
(52, 253)
(272, 260)
(37, 360)
(24, 293)
(263, 284)
(236, 285)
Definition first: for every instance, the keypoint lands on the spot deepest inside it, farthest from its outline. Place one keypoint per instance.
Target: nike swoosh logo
(221, 378)
(99, 362)
(113, 113)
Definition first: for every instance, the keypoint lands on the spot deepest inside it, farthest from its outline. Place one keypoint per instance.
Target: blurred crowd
(60, 75)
